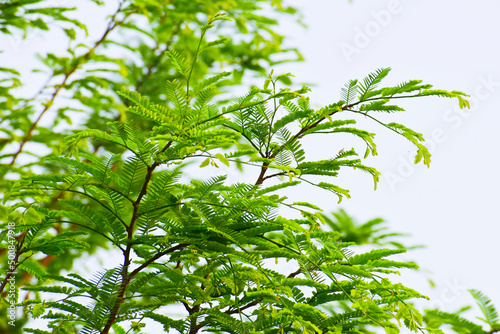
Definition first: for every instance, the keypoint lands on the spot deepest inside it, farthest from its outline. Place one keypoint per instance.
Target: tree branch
(112, 25)
(295, 273)
(130, 233)
(154, 258)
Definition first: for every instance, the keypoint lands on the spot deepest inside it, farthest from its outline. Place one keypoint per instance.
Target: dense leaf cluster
(223, 253)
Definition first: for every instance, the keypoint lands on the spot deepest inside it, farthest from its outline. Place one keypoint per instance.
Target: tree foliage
(223, 253)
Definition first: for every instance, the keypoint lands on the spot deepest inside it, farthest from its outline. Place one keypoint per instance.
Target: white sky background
(454, 45)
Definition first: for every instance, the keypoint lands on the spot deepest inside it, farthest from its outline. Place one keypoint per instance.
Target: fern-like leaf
(349, 91)
(370, 82)
(487, 308)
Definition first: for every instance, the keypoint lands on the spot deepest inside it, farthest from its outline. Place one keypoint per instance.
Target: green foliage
(223, 253)
(436, 319)
(489, 311)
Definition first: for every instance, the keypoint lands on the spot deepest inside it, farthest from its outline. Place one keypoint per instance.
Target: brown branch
(255, 302)
(9, 273)
(186, 306)
(127, 259)
(273, 175)
(156, 257)
(19, 251)
(263, 171)
(265, 166)
(295, 273)
(195, 327)
(302, 131)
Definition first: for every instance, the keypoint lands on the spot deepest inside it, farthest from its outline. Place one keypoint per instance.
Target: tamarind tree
(192, 254)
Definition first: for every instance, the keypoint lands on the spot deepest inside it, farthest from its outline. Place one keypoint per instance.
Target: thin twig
(112, 25)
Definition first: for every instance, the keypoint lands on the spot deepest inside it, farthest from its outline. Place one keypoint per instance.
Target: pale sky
(452, 206)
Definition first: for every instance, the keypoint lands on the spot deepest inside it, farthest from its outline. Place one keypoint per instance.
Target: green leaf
(178, 62)
(222, 159)
(487, 308)
(33, 268)
(367, 87)
(205, 162)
